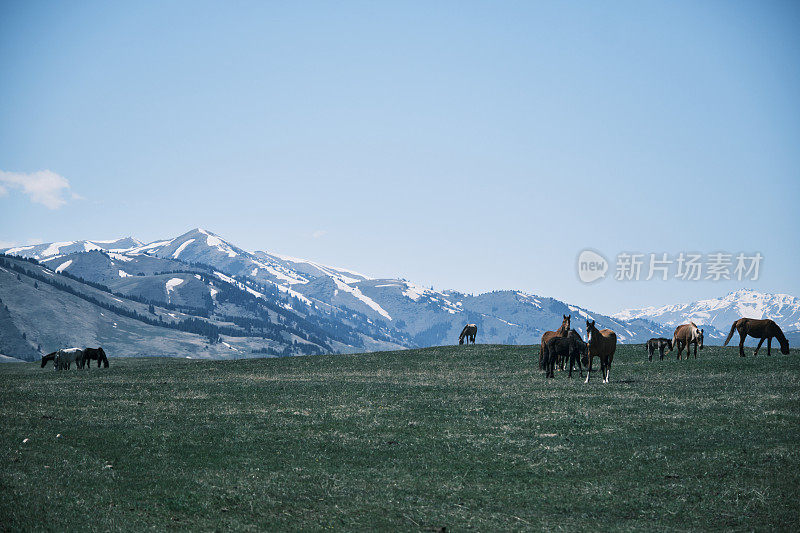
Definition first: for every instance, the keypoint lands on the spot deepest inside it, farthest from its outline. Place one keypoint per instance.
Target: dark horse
(97, 354)
(468, 334)
(659, 344)
(686, 335)
(760, 329)
(560, 332)
(48, 357)
(570, 347)
(602, 344)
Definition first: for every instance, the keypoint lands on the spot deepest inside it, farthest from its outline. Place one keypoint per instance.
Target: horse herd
(557, 347)
(566, 345)
(62, 359)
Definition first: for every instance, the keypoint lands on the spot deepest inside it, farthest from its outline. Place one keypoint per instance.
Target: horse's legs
(769, 345)
(695, 351)
(588, 370)
(742, 336)
(608, 370)
(760, 342)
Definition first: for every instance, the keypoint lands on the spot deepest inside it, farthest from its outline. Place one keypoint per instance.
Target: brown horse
(760, 329)
(686, 335)
(48, 357)
(602, 344)
(560, 332)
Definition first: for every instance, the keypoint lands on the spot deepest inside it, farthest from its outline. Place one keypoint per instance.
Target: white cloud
(7, 244)
(43, 187)
(319, 233)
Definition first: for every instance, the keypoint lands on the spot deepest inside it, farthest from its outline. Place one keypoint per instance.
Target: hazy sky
(474, 146)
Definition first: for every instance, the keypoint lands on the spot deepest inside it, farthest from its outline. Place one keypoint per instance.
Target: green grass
(460, 437)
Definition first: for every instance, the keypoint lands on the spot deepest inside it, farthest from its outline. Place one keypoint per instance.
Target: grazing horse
(560, 332)
(64, 358)
(602, 344)
(468, 334)
(686, 335)
(97, 354)
(561, 348)
(760, 329)
(48, 357)
(658, 344)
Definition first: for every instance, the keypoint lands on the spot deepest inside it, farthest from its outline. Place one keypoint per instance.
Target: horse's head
(784, 346)
(589, 328)
(461, 340)
(102, 357)
(669, 345)
(565, 322)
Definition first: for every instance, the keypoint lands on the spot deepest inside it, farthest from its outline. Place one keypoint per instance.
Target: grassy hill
(455, 437)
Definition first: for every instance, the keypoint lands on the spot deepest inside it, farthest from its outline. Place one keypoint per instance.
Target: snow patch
(54, 248)
(124, 274)
(356, 292)
(63, 265)
(219, 244)
(13, 251)
(119, 257)
(172, 283)
(181, 248)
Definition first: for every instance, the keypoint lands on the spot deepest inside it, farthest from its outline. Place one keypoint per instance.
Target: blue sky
(474, 146)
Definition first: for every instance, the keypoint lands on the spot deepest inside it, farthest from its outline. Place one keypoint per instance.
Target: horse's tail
(730, 333)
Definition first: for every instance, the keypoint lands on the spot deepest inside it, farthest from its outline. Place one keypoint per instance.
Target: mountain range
(198, 295)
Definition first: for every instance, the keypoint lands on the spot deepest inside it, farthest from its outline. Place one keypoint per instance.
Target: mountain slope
(48, 310)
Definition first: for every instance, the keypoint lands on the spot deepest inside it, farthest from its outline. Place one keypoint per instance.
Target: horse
(468, 333)
(760, 329)
(49, 357)
(562, 331)
(97, 354)
(686, 335)
(602, 344)
(64, 358)
(559, 348)
(658, 344)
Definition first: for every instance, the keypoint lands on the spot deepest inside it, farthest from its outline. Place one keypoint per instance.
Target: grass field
(455, 437)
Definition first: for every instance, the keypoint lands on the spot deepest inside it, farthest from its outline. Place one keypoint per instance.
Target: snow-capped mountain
(201, 274)
(720, 313)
